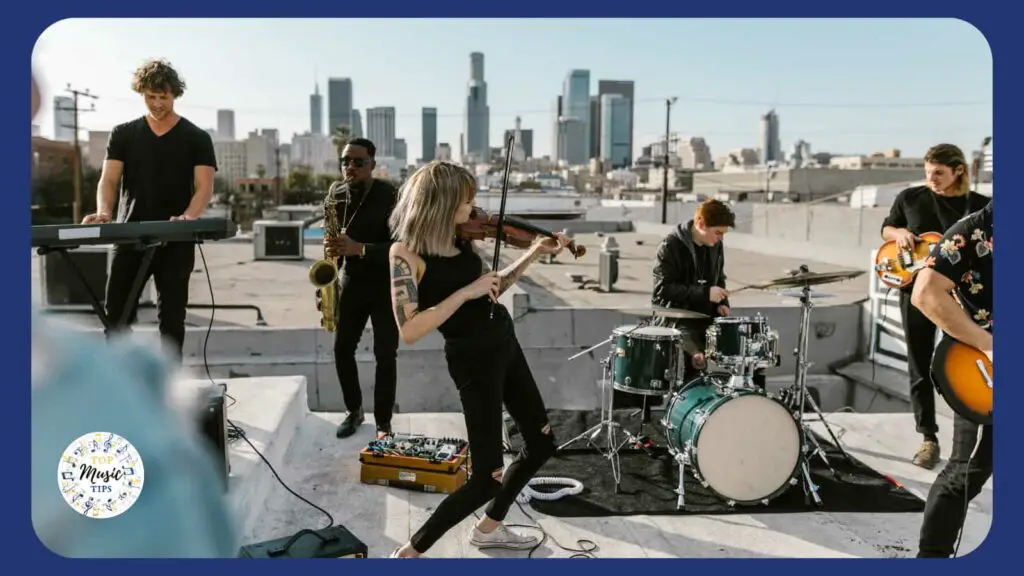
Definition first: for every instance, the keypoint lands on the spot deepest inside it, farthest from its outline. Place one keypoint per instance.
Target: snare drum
(647, 360)
(735, 340)
(742, 444)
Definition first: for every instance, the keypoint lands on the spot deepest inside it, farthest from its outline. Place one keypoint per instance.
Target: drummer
(689, 274)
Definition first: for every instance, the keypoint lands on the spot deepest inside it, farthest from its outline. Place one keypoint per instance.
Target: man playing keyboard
(162, 166)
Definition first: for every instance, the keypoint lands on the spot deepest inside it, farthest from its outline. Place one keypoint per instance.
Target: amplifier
(278, 240)
(213, 425)
(416, 462)
(61, 287)
(331, 542)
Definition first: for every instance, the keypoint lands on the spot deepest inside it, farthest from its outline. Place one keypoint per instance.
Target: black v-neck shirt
(921, 210)
(158, 179)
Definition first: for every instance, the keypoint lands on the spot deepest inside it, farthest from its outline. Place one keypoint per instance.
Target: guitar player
(933, 207)
(961, 265)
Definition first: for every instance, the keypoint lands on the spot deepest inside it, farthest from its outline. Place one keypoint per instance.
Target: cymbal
(814, 294)
(810, 279)
(666, 312)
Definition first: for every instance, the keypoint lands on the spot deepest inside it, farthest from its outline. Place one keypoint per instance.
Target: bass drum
(743, 445)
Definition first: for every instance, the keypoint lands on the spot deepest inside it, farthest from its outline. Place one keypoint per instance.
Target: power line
(290, 111)
(77, 161)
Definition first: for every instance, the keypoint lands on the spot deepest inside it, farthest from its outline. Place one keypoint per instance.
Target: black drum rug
(648, 482)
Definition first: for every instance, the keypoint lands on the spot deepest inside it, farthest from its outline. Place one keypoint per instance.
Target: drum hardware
(610, 428)
(797, 393)
(709, 427)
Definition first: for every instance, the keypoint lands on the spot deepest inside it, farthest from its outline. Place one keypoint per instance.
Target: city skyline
(830, 106)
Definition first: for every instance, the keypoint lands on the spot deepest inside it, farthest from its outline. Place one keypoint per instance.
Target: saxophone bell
(325, 273)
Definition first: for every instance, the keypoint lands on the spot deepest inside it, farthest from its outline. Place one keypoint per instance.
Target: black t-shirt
(367, 222)
(921, 210)
(158, 178)
(965, 257)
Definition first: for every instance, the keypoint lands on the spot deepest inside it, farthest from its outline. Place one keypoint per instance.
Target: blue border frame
(28, 20)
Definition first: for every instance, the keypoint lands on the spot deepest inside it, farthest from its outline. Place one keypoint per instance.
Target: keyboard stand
(133, 295)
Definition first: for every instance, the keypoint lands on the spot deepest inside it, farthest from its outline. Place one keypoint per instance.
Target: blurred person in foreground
(82, 384)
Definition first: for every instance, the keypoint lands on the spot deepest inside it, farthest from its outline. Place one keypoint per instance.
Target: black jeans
(171, 270)
(919, 333)
(956, 485)
(361, 300)
(484, 380)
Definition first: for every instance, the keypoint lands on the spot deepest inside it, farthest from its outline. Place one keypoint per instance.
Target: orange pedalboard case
(438, 465)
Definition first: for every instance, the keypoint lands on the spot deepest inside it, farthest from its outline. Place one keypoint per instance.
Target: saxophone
(324, 273)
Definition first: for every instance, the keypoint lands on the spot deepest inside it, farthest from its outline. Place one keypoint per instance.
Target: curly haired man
(161, 167)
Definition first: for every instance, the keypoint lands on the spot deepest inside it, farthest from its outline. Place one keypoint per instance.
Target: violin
(516, 233)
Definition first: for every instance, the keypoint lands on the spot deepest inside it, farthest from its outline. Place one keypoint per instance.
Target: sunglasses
(356, 162)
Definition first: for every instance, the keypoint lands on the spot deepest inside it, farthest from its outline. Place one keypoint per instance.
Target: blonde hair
(951, 156)
(424, 217)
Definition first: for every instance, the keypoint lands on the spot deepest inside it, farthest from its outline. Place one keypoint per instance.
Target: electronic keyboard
(73, 235)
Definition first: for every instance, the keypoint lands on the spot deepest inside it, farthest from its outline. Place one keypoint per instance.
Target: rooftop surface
(326, 471)
(282, 291)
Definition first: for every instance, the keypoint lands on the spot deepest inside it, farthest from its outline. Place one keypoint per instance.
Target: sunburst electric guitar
(896, 267)
(963, 375)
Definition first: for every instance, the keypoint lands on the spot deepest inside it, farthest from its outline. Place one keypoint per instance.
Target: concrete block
(243, 343)
(541, 328)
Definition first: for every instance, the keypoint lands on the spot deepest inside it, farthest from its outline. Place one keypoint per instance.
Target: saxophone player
(364, 289)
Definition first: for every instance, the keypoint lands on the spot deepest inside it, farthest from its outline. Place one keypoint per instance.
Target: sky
(846, 86)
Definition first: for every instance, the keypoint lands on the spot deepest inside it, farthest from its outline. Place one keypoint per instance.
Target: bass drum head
(748, 448)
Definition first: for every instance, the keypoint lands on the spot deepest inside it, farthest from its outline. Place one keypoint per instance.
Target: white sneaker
(501, 537)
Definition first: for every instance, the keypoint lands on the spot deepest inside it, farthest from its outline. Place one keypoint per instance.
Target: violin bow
(501, 213)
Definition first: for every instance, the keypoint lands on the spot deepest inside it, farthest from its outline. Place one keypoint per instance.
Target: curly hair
(158, 76)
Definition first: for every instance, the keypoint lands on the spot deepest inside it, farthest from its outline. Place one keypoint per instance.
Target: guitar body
(896, 268)
(963, 375)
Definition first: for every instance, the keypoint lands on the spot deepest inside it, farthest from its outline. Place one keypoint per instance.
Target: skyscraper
(771, 145)
(429, 134)
(478, 113)
(615, 130)
(316, 111)
(339, 103)
(576, 104)
(380, 129)
(624, 88)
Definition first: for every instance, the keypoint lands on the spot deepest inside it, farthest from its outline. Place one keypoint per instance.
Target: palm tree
(342, 135)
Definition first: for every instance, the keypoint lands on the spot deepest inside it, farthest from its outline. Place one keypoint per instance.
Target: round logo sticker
(100, 475)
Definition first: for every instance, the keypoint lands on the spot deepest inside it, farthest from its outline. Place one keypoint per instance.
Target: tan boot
(927, 455)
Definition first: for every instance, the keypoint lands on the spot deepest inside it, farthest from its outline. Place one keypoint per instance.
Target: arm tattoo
(510, 275)
(403, 282)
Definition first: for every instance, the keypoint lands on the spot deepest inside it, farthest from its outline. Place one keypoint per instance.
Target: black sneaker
(384, 430)
(349, 425)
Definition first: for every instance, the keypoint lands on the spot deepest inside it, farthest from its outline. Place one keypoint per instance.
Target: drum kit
(745, 445)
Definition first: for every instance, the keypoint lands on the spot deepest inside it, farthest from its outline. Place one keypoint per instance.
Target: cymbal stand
(606, 425)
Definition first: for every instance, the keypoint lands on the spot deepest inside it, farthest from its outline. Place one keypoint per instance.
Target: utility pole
(664, 175)
(76, 167)
(277, 174)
